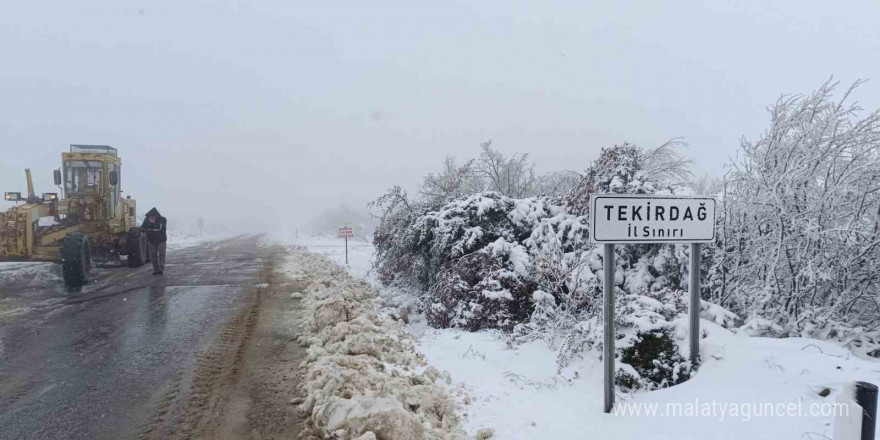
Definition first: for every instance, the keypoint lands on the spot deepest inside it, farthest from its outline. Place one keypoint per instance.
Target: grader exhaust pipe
(30, 184)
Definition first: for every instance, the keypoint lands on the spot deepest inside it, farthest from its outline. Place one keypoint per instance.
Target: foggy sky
(262, 113)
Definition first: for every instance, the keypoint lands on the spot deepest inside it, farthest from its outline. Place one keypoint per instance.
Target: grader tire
(76, 259)
(136, 248)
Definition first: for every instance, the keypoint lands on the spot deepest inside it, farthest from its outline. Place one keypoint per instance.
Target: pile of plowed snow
(362, 378)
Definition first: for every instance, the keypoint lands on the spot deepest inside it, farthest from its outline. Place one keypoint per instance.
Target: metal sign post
(608, 357)
(623, 219)
(694, 304)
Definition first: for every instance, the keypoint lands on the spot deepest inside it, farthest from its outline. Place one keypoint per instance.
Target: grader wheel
(76, 259)
(136, 247)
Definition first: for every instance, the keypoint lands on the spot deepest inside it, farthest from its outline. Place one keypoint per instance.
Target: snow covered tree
(665, 164)
(707, 185)
(557, 184)
(628, 169)
(511, 176)
(396, 246)
(452, 182)
(801, 219)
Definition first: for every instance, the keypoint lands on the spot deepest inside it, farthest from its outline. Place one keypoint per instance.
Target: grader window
(82, 176)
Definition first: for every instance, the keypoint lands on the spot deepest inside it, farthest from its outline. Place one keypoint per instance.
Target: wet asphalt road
(94, 363)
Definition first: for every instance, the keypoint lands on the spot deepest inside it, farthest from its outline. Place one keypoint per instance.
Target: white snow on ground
(29, 272)
(359, 251)
(521, 395)
(362, 378)
(24, 278)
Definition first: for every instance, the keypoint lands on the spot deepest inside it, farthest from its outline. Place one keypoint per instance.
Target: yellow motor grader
(90, 221)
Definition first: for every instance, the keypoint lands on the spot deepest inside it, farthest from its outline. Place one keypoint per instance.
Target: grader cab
(89, 222)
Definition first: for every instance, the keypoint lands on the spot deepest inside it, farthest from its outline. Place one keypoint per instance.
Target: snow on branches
(797, 250)
(628, 169)
(526, 266)
(800, 223)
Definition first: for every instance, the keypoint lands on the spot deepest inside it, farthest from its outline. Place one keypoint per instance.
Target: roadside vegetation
(490, 244)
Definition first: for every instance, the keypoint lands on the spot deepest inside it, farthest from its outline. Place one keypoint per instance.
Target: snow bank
(362, 378)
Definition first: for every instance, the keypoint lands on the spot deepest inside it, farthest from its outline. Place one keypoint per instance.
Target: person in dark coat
(156, 227)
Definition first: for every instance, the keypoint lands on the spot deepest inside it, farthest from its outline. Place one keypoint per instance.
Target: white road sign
(345, 232)
(618, 218)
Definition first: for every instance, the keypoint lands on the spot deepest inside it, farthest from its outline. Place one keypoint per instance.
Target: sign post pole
(346, 232)
(695, 305)
(609, 326)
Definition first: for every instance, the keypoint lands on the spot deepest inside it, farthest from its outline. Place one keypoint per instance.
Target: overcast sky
(265, 112)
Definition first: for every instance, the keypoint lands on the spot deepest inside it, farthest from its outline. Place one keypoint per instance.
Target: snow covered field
(359, 252)
(747, 388)
(520, 394)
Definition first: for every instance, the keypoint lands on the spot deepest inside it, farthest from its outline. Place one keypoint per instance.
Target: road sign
(346, 233)
(618, 218)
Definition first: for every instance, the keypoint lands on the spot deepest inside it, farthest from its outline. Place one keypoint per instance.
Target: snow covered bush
(486, 260)
(395, 241)
(652, 361)
(629, 169)
(477, 292)
(649, 347)
(651, 281)
(479, 259)
(651, 335)
(526, 266)
(801, 216)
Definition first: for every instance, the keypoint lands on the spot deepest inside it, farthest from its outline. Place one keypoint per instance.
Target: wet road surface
(103, 362)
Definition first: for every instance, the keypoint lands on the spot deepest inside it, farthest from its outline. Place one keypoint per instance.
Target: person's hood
(155, 212)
